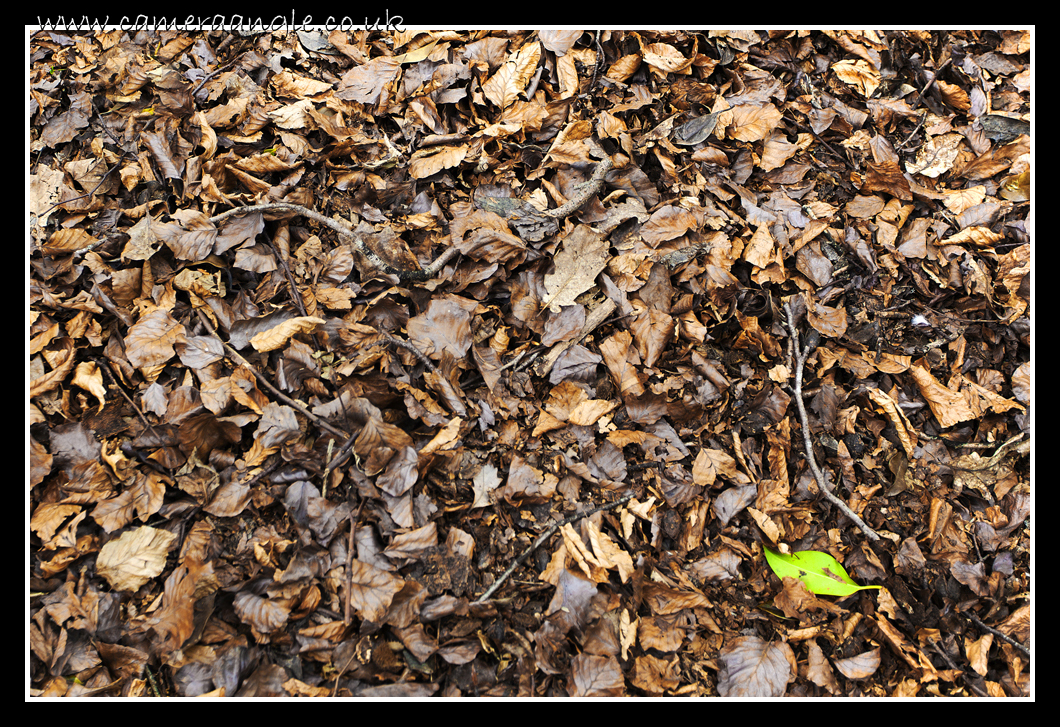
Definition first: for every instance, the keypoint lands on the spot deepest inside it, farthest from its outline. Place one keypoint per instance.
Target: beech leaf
(821, 573)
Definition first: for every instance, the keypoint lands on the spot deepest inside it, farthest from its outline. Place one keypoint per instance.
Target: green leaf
(821, 573)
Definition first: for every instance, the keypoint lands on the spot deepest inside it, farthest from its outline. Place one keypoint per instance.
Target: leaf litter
(464, 364)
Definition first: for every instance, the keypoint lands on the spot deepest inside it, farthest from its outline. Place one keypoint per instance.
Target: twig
(542, 538)
(912, 133)
(340, 457)
(349, 563)
(102, 179)
(207, 77)
(408, 346)
(238, 358)
(799, 356)
(423, 274)
(1023, 449)
(1003, 636)
(586, 191)
(151, 681)
(929, 84)
(979, 691)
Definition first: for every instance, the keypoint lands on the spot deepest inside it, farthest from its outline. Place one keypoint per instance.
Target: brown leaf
(444, 327)
(278, 335)
(511, 79)
(263, 615)
(372, 591)
(60, 368)
(367, 83)
(751, 667)
(151, 340)
(596, 676)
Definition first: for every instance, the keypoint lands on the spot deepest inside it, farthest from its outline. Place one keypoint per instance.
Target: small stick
(800, 356)
(586, 191)
(542, 538)
(424, 274)
(1003, 636)
(238, 358)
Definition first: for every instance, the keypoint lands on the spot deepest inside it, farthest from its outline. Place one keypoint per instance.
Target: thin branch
(799, 356)
(348, 606)
(238, 358)
(358, 244)
(207, 77)
(1003, 636)
(409, 346)
(586, 191)
(339, 458)
(979, 691)
(541, 539)
(102, 179)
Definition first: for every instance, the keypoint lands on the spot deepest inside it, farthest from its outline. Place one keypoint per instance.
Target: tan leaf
(66, 241)
(624, 67)
(713, 463)
(512, 78)
(568, 75)
(617, 355)
(860, 666)
(150, 340)
(483, 485)
(936, 157)
(753, 122)
(858, 74)
(372, 590)
(907, 435)
(278, 335)
(652, 331)
(263, 615)
(134, 558)
(831, 322)
(589, 412)
(664, 58)
(667, 223)
(583, 256)
(61, 366)
(749, 666)
(367, 83)
(90, 378)
(949, 407)
(432, 160)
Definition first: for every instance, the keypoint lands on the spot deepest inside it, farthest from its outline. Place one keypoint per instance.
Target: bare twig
(799, 356)
(979, 691)
(238, 358)
(347, 613)
(207, 77)
(542, 538)
(586, 191)
(102, 179)
(424, 274)
(1003, 636)
(1022, 448)
(408, 346)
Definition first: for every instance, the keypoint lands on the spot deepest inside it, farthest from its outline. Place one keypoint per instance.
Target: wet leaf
(459, 362)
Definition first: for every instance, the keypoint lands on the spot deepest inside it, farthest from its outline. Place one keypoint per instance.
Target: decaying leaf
(384, 362)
